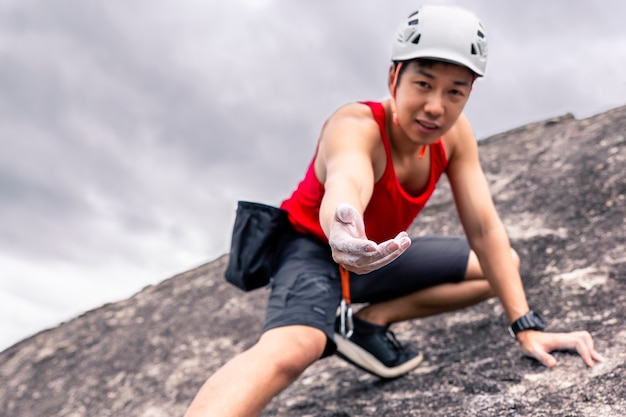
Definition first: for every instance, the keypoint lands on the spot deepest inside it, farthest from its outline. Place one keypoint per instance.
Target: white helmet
(443, 33)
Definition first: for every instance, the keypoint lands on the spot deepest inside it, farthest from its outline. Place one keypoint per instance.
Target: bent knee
(487, 290)
(292, 349)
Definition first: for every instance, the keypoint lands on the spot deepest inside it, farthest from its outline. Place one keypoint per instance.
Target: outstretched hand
(351, 247)
(539, 345)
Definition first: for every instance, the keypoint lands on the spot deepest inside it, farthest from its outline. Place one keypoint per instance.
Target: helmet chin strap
(394, 82)
(394, 108)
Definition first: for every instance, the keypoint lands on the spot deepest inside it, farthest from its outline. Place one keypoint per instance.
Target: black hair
(422, 62)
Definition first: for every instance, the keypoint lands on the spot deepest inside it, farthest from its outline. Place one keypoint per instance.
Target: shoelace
(393, 342)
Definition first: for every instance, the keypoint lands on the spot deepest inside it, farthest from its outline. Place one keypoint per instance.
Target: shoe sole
(361, 358)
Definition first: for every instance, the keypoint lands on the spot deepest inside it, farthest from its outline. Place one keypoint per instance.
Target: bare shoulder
(460, 139)
(355, 117)
(352, 127)
(350, 136)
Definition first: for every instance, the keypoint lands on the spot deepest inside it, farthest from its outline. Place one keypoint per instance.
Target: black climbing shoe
(376, 350)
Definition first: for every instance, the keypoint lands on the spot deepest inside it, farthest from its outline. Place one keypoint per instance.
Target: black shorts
(306, 288)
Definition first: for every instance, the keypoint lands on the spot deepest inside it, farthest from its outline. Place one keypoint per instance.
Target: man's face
(429, 99)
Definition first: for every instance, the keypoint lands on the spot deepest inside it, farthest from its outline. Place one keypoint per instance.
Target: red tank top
(390, 210)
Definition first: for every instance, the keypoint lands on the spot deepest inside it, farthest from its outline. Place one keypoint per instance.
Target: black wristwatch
(529, 321)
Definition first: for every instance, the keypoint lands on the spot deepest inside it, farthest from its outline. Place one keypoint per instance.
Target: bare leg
(244, 385)
(435, 300)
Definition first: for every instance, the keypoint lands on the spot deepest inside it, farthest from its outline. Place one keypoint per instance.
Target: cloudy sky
(129, 129)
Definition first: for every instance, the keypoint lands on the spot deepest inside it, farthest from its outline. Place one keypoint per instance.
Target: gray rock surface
(560, 188)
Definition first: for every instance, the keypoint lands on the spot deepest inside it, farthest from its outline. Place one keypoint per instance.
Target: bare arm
(488, 238)
(483, 227)
(346, 165)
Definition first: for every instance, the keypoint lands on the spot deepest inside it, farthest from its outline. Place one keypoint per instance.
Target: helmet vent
(474, 50)
(417, 39)
(413, 14)
(480, 34)
(414, 22)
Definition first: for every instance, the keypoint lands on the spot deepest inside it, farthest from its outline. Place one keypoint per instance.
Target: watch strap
(529, 321)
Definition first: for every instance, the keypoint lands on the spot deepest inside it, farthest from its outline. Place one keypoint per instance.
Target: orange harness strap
(345, 311)
(345, 284)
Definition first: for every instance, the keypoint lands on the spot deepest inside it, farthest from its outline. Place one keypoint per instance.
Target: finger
(584, 353)
(365, 263)
(592, 351)
(351, 245)
(362, 256)
(597, 357)
(356, 255)
(581, 342)
(584, 347)
(538, 345)
(545, 358)
(401, 241)
(388, 247)
(401, 235)
(355, 246)
(387, 257)
(404, 241)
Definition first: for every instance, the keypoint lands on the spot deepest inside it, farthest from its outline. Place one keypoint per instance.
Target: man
(375, 167)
